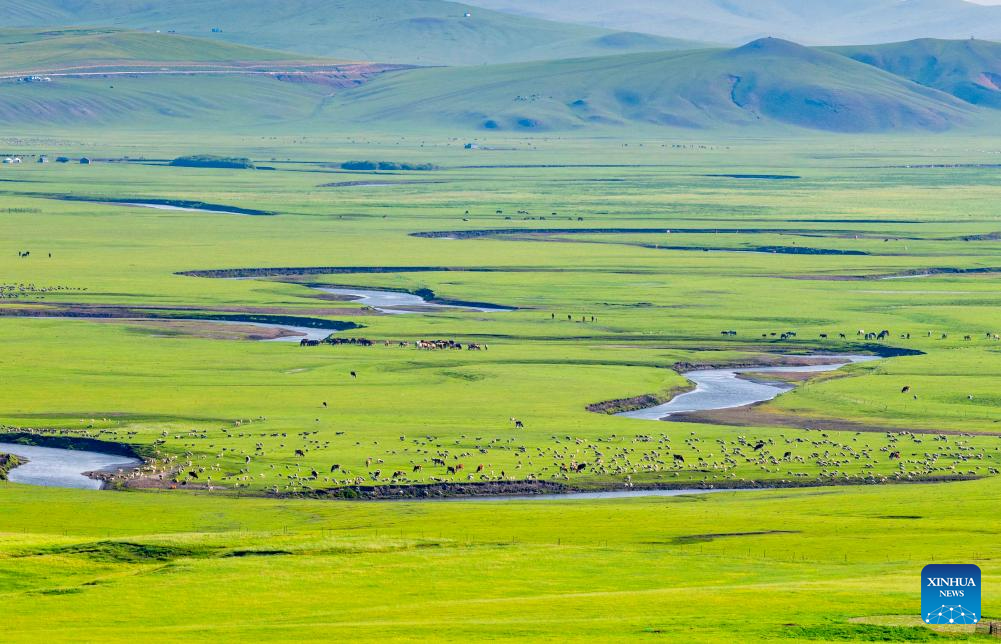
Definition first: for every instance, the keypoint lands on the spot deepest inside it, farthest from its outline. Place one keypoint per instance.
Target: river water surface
(55, 467)
(396, 302)
(725, 389)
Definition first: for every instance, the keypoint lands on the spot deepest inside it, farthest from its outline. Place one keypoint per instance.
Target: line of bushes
(212, 161)
(386, 165)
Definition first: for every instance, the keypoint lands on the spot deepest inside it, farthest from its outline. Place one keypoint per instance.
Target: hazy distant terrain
(159, 80)
(766, 83)
(427, 32)
(456, 68)
(807, 21)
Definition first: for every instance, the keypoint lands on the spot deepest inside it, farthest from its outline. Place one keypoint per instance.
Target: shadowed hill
(818, 22)
(427, 32)
(766, 83)
(968, 69)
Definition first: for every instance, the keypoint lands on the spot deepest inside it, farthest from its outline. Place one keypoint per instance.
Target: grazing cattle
(678, 458)
(300, 453)
(363, 342)
(335, 467)
(894, 456)
(324, 403)
(354, 375)
(314, 474)
(193, 474)
(418, 468)
(451, 469)
(905, 389)
(842, 336)
(759, 445)
(787, 455)
(580, 467)
(479, 468)
(518, 424)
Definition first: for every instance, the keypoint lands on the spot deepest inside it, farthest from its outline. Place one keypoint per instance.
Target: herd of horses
(862, 333)
(425, 345)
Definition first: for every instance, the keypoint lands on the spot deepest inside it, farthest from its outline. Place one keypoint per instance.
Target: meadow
(668, 254)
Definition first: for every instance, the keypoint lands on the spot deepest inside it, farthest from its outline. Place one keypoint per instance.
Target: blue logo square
(950, 594)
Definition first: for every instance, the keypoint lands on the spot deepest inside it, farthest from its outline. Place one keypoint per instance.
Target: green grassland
(795, 566)
(612, 569)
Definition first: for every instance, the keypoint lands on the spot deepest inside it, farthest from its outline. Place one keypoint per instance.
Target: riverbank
(7, 463)
(513, 490)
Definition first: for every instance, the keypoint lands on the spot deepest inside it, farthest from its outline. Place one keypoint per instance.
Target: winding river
(394, 302)
(389, 302)
(55, 467)
(725, 388)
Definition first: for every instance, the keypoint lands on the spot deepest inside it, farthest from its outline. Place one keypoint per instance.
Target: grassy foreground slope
(428, 32)
(809, 565)
(766, 83)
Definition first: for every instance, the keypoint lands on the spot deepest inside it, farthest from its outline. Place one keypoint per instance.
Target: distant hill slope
(427, 32)
(161, 103)
(816, 22)
(968, 69)
(767, 86)
(136, 80)
(34, 51)
(767, 83)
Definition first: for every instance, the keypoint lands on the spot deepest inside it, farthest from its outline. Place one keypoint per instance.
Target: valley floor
(618, 277)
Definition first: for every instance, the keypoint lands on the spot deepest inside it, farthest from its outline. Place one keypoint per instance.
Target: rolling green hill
(765, 83)
(968, 69)
(820, 22)
(427, 32)
(30, 51)
(137, 80)
(162, 103)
